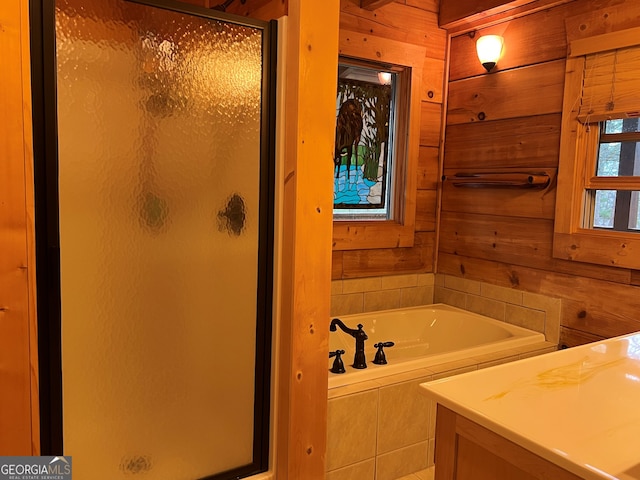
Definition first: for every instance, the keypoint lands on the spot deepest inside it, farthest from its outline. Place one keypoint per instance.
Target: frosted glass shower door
(164, 250)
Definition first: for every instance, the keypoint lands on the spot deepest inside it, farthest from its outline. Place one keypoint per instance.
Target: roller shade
(611, 85)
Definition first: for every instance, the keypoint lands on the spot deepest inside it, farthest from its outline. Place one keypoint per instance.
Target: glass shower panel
(159, 117)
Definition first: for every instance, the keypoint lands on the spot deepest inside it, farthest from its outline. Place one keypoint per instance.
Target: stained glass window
(364, 143)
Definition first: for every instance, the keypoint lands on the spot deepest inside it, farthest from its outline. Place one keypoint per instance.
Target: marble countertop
(579, 407)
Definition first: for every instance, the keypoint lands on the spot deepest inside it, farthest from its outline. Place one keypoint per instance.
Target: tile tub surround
(525, 309)
(533, 311)
(384, 429)
(359, 295)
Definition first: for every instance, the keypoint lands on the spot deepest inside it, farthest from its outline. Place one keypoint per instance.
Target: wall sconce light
(489, 49)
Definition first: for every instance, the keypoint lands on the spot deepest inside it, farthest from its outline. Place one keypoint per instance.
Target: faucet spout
(359, 360)
(336, 322)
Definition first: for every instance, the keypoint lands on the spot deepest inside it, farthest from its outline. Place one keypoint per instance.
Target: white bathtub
(423, 336)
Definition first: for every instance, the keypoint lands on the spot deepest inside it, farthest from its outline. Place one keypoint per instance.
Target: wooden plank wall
(261, 9)
(258, 9)
(509, 120)
(412, 22)
(19, 419)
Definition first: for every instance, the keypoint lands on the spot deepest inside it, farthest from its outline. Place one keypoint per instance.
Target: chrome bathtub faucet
(359, 360)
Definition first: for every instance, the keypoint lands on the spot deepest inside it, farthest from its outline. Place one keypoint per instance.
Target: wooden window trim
(578, 149)
(360, 235)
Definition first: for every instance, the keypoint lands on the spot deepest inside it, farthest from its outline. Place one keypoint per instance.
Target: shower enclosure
(155, 223)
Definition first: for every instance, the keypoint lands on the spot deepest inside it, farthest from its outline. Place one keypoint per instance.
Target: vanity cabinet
(566, 415)
(468, 451)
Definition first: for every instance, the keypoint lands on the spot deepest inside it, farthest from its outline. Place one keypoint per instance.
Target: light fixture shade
(489, 49)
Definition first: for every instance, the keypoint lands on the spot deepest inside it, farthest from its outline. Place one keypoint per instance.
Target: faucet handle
(381, 358)
(338, 365)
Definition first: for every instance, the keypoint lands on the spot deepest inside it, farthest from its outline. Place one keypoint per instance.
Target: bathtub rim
(526, 339)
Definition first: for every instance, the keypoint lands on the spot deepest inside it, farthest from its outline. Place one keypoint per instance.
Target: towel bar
(516, 180)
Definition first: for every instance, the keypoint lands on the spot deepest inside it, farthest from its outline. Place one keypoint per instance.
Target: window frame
(399, 231)
(622, 184)
(576, 176)
(397, 129)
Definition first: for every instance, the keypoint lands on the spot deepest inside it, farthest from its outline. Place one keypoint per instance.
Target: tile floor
(421, 475)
